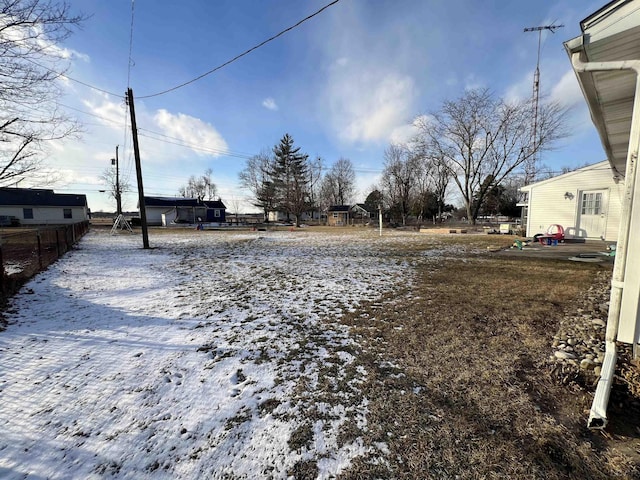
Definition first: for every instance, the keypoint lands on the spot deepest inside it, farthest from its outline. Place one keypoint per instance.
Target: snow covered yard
(213, 355)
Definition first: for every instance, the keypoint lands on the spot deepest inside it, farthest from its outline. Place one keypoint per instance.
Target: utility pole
(536, 95)
(136, 154)
(120, 222)
(118, 193)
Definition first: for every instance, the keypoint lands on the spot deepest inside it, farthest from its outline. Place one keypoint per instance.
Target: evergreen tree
(290, 178)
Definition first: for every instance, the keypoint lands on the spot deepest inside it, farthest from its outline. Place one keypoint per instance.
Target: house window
(27, 213)
(335, 215)
(67, 213)
(592, 203)
(216, 213)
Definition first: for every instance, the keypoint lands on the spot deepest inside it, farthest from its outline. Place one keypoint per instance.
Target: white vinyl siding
(45, 215)
(560, 200)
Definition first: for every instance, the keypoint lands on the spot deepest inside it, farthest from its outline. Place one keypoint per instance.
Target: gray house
(167, 210)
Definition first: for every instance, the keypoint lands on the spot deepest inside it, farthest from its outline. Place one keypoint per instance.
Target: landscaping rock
(587, 364)
(562, 355)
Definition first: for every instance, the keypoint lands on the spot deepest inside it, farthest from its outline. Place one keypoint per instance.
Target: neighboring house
(586, 202)
(342, 215)
(167, 210)
(361, 215)
(279, 216)
(31, 206)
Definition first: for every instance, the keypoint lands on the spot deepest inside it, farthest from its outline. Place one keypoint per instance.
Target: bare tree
(315, 184)
(199, 187)
(123, 183)
(480, 137)
(255, 178)
(235, 205)
(338, 185)
(399, 179)
(31, 63)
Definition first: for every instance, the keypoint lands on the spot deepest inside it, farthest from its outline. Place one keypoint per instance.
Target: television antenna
(536, 96)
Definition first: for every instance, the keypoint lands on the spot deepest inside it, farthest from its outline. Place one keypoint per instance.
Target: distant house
(338, 215)
(586, 202)
(342, 215)
(167, 210)
(31, 206)
(361, 214)
(280, 216)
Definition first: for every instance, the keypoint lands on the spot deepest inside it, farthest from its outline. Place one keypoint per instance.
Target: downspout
(598, 413)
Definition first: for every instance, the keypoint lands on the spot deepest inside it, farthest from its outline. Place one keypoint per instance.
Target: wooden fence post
(2, 286)
(39, 249)
(57, 244)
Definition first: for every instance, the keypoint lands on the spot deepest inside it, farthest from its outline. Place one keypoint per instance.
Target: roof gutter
(598, 413)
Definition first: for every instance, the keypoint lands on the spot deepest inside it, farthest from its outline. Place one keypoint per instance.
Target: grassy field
(460, 384)
(446, 374)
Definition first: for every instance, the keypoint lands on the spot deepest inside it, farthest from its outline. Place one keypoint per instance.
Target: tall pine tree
(290, 179)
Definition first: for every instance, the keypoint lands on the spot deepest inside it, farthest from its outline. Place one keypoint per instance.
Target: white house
(586, 202)
(32, 206)
(606, 60)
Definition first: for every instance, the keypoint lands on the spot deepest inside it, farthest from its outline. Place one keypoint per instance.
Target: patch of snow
(195, 359)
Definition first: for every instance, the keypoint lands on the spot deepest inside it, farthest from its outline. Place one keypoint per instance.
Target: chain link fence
(26, 251)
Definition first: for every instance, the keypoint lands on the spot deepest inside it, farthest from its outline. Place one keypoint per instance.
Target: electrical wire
(89, 113)
(64, 75)
(180, 142)
(237, 57)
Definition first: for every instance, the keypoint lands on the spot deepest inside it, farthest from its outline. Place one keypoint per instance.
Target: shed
(32, 206)
(586, 202)
(338, 215)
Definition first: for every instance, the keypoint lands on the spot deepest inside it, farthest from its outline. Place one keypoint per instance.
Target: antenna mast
(530, 166)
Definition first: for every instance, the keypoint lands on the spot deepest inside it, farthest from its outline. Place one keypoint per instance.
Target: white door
(593, 214)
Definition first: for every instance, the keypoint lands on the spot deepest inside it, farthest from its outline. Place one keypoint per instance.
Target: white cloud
(270, 104)
(365, 184)
(110, 114)
(567, 91)
(472, 82)
(368, 105)
(367, 89)
(192, 131)
(521, 90)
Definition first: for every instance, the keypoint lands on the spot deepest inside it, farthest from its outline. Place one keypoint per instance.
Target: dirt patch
(459, 378)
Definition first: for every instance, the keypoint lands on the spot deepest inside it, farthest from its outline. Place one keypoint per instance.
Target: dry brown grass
(458, 378)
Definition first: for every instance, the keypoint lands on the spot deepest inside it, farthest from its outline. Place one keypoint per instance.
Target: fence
(24, 252)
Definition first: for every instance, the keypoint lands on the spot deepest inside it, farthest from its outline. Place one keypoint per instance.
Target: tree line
(478, 146)
(284, 179)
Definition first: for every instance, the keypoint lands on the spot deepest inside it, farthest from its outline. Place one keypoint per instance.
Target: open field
(305, 354)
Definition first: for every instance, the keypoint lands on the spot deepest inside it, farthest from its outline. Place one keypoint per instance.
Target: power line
(192, 146)
(64, 75)
(89, 113)
(237, 57)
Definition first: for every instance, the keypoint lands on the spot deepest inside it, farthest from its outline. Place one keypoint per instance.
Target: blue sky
(343, 84)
